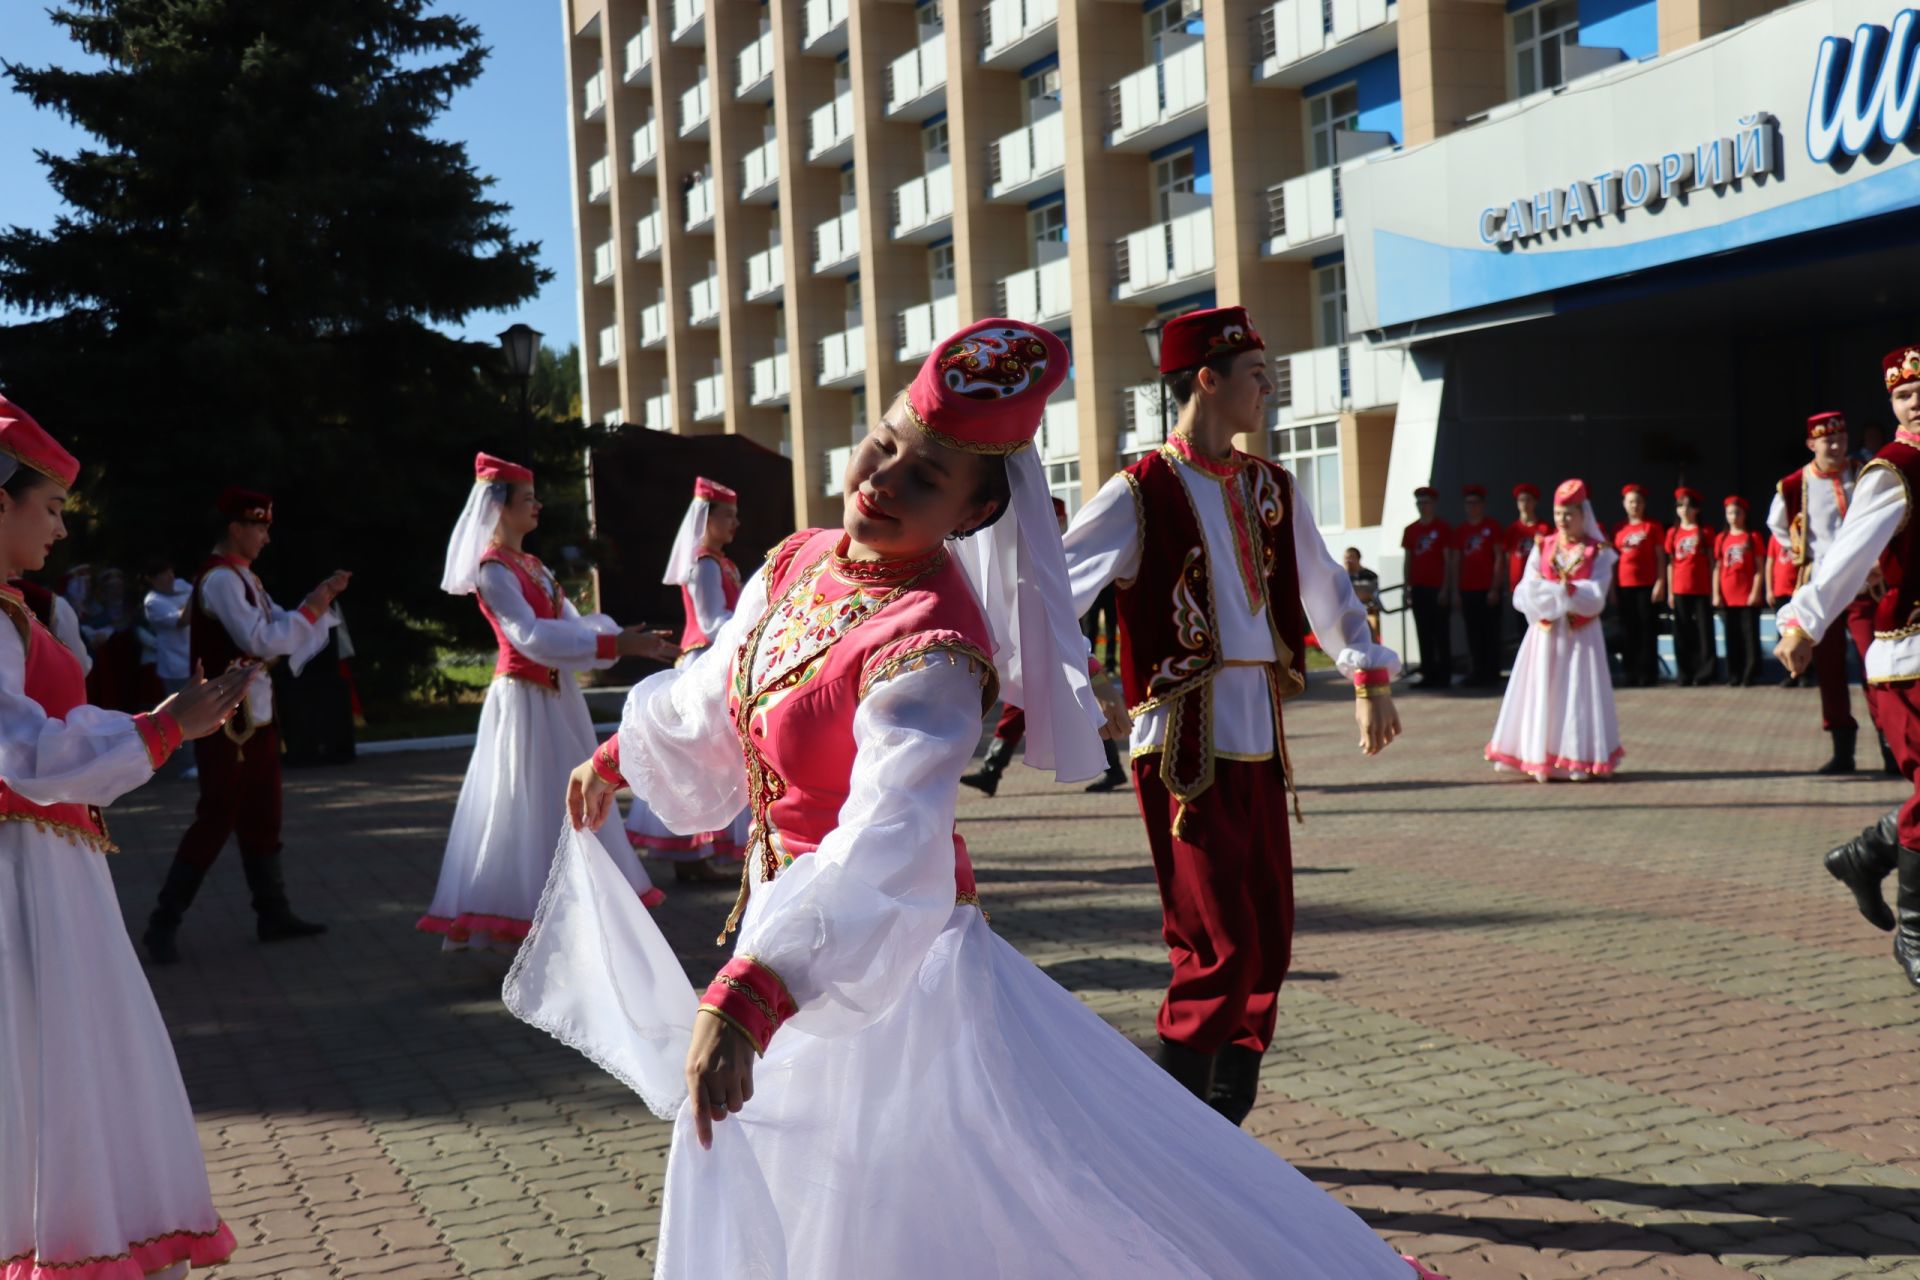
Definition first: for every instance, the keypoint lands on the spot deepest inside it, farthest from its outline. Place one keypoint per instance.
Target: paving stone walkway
(1628, 1029)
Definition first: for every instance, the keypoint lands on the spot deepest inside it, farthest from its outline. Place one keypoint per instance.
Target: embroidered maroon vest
(1169, 638)
(1899, 608)
(542, 598)
(208, 641)
(1793, 497)
(693, 637)
(55, 680)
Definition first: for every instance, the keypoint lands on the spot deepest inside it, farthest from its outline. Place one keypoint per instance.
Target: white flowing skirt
(988, 1126)
(1557, 720)
(510, 812)
(652, 838)
(101, 1176)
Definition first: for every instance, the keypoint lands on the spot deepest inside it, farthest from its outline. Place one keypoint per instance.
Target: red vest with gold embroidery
(542, 597)
(693, 637)
(1552, 571)
(1169, 639)
(1899, 607)
(208, 641)
(55, 681)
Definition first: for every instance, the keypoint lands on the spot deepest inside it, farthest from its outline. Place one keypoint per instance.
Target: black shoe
(1842, 761)
(999, 756)
(176, 895)
(1864, 861)
(1906, 938)
(1115, 777)
(1236, 1082)
(1193, 1069)
(274, 919)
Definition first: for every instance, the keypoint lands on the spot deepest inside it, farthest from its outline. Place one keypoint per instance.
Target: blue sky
(513, 120)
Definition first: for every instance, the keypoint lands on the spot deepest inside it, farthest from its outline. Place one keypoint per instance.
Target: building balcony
(917, 80)
(1029, 163)
(1160, 103)
(770, 378)
(836, 470)
(760, 173)
(1016, 32)
(1060, 427)
(610, 345)
(1303, 216)
(1164, 261)
(753, 70)
(830, 132)
(696, 108)
(919, 327)
(659, 412)
(1041, 295)
(653, 324)
(700, 204)
(646, 236)
(594, 94)
(840, 359)
(923, 208)
(710, 398)
(767, 274)
(703, 302)
(823, 27)
(639, 69)
(646, 146)
(603, 262)
(1143, 421)
(1331, 380)
(836, 245)
(689, 22)
(599, 180)
(1296, 42)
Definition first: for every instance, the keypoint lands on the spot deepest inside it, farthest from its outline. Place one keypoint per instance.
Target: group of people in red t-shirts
(1473, 564)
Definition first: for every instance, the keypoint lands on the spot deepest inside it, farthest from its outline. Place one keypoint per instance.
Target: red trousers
(1897, 707)
(239, 795)
(1830, 667)
(1012, 726)
(1226, 899)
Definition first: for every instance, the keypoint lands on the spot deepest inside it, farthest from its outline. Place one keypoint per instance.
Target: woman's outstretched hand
(1379, 721)
(641, 642)
(719, 1073)
(204, 705)
(589, 798)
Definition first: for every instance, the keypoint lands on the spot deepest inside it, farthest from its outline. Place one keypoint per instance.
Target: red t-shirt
(1520, 537)
(1479, 548)
(1786, 574)
(1738, 555)
(1426, 547)
(1638, 542)
(1691, 551)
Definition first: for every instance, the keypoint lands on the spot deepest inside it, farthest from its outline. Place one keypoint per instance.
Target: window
(1539, 34)
(1063, 480)
(929, 19)
(1176, 16)
(1172, 176)
(940, 269)
(1040, 95)
(933, 142)
(1312, 453)
(1327, 114)
(859, 432)
(1048, 223)
(848, 192)
(853, 301)
(1330, 304)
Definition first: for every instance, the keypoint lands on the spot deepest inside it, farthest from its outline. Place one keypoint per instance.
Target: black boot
(1843, 742)
(1906, 938)
(176, 895)
(1236, 1082)
(1193, 1069)
(275, 919)
(999, 756)
(1864, 861)
(1888, 765)
(1115, 777)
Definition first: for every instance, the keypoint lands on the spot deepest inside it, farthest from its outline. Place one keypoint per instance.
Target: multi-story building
(781, 206)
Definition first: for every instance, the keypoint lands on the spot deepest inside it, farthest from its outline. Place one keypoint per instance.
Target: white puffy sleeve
(567, 643)
(1539, 599)
(66, 629)
(1103, 543)
(1777, 517)
(1878, 511)
(1590, 593)
(678, 748)
(1334, 614)
(271, 632)
(91, 757)
(709, 591)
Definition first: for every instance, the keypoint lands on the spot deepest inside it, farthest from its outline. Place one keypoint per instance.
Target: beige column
(1366, 445)
(893, 276)
(1685, 22)
(592, 223)
(1453, 64)
(983, 105)
(633, 193)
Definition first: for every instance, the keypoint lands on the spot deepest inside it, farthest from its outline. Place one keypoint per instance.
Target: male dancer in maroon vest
(233, 620)
(1879, 530)
(1221, 572)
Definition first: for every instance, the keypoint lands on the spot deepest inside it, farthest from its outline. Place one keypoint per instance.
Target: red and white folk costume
(1557, 719)
(534, 727)
(938, 1107)
(101, 1176)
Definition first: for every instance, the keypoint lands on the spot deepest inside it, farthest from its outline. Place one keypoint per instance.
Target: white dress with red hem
(101, 1176)
(513, 802)
(1557, 719)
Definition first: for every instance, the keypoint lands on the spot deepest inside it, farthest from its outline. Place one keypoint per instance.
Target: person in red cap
(100, 1166)
(1689, 548)
(1879, 533)
(1518, 540)
(1640, 587)
(1737, 557)
(1808, 508)
(234, 620)
(1428, 547)
(1476, 583)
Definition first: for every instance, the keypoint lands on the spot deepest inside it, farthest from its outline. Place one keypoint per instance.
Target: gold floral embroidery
(98, 841)
(957, 651)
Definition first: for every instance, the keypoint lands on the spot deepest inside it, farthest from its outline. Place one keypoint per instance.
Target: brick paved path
(1623, 1029)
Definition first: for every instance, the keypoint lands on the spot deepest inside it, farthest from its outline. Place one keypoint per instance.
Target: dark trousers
(1695, 660)
(239, 795)
(1743, 642)
(1639, 636)
(1226, 902)
(1482, 621)
(1435, 631)
(1830, 667)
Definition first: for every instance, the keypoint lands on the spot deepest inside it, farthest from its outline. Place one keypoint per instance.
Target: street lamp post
(521, 345)
(1150, 333)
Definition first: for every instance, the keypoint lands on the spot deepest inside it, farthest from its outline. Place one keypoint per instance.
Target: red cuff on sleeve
(160, 734)
(1371, 678)
(307, 612)
(606, 648)
(606, 761)
(752, 998)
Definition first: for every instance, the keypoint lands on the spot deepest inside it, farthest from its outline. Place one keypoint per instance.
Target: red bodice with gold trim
(543, 597)
(1899, 606)
(693, 637)
(1564, 565)
(55, 680)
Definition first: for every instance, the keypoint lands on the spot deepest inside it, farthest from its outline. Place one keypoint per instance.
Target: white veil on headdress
(472, 535)
(686, 543)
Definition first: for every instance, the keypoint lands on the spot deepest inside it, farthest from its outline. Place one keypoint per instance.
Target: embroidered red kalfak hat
(249, 505)
(1821, 425)
(984, 389)
(1902, 365)
(1572, 493)
(1200, 336)
(488, 469)
(27, 443)
(714, 491)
